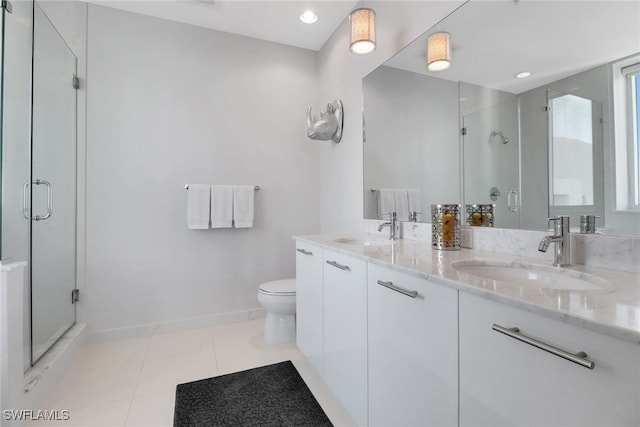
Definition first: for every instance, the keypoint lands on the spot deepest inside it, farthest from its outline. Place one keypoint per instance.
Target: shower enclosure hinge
(464, 131)
(546, 109)
(75, 296)
(75, 82)
(6, 6)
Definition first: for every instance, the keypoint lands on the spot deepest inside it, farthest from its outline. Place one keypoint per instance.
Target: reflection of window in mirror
(571, 154)
(633, 118)
(626, 85)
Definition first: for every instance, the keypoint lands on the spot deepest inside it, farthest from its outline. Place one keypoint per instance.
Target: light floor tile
(132, 382)
(152, 410)
(234, 334)
(112, 353)
(240, 359)
(171, 344)
(166, 373)
(103, 415)
(88, 387)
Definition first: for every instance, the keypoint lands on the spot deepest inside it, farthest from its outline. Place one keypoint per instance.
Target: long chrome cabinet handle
(579, 358)
(302, 251)
(393, 287)
(340, 266)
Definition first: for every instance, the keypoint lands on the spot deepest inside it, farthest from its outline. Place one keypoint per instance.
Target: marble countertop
(612, 309)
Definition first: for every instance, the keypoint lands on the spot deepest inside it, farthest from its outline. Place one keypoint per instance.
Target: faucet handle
(561, 222)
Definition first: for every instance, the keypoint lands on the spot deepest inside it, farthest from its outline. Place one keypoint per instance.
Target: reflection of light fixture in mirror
(308, 17)
(363, 31)
(523, 75)
(438, 51)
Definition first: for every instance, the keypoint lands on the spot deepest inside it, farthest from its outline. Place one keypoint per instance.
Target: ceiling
(275, 21)
(494, 40)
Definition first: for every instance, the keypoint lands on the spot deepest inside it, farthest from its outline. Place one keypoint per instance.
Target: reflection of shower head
(505, 140)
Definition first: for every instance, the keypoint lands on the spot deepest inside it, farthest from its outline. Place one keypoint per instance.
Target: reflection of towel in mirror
(402, 204)
(386, 203)
(414, 200)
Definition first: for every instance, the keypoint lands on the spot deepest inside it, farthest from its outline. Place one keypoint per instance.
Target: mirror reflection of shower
(495, 133)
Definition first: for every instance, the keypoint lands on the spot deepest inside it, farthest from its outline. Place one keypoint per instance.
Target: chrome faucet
(394, 226)
(562, 238)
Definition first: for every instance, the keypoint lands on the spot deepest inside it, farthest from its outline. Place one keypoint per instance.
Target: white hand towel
(243, 206)
(402, 204)
(415, 204)
(386, 203)
(198, 204)
(221, 206)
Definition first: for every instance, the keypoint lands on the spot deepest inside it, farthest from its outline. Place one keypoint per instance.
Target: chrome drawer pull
(340, 266)
(393, 287)
(302, 251)
(579, 358)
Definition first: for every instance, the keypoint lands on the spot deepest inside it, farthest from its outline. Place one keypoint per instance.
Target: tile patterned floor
(132, 382)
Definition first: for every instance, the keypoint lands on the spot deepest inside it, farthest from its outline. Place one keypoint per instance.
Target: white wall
(341, 73)
(171, 104)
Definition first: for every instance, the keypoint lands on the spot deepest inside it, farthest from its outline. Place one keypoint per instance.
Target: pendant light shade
(363, 31)
(438, 51)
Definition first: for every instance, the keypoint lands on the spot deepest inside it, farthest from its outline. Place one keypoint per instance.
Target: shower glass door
(53, 187)
(15, 242)
(492, 161)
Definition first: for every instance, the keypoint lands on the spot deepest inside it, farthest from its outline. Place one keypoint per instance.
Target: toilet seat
(285, 287)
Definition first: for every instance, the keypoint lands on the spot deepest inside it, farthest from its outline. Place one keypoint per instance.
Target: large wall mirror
(560, 141)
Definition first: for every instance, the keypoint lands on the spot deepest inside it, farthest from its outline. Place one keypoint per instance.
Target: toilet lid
(279, 287)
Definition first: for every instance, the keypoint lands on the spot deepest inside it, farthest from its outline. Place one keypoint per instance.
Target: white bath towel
(221, 206)
(198, 205)
(386, 203)
(243, 206)
(415, 204)
(402, 204)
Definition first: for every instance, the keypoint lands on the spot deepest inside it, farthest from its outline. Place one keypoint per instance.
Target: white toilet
(279, 299)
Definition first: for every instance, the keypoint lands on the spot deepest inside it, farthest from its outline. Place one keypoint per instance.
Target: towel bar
(256, 188)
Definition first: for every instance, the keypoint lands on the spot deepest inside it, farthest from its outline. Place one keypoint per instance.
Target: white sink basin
(533, 275)
(359, 241)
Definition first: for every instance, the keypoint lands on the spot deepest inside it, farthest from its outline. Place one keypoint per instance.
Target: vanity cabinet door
(345, 332)
(506, 382)
(309, 303)
(413, 351)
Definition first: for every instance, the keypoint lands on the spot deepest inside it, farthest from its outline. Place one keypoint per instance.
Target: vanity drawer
(413, 350)
(505, 381)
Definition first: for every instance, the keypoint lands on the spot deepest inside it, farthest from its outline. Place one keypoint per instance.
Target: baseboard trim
(175, 325)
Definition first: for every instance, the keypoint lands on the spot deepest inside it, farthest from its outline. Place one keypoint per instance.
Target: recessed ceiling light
(523, 75)
(308, 17)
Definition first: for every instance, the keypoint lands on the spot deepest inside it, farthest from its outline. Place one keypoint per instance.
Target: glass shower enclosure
(38, 170)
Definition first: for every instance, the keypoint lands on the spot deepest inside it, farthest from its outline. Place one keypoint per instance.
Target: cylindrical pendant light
(438, 51)
(363, 31)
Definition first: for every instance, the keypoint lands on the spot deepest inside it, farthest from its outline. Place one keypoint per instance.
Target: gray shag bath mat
(273, 395)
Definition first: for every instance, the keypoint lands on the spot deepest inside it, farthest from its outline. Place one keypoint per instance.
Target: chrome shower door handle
(25, 198)
(512, 201)
(49, 200)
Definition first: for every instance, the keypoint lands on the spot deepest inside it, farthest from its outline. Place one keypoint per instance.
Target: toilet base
(280, 328)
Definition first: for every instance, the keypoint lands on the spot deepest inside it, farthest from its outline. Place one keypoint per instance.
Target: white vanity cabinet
(413, 350)
(309, 303)
(507, 382)
(345, 331)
